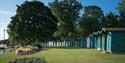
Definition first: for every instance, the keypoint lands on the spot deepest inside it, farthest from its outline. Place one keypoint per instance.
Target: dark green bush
(39, 46)
(4, 41)
(28, 60)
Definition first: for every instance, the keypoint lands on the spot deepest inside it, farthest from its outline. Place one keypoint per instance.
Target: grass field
(53, 55)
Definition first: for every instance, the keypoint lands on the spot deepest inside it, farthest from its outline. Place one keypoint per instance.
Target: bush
(29, 49)
(28, 60)
(24, 51)
(39, 46)
(4, 41)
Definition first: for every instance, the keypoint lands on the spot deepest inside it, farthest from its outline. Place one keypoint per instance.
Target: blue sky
(8, 9)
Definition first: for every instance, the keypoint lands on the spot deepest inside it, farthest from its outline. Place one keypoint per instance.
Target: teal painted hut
(108, 40)
(91, 41)
(104, 41)
(88, 42)
(99, 40)
(95, 36)
(113, 40)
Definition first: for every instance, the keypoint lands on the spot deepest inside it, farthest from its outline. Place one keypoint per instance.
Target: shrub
(28, 60)
(28, 50)
(24, 51)
(39, 46)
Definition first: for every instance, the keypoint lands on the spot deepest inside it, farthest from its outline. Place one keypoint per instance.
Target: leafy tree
(67, 12)
(88, 25)
(33, 21)
(96, 12)
(93, 11)
(121, 9)
(91, 20)
(112, 20)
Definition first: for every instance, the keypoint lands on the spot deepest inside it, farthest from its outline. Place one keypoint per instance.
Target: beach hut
(95, 36)
(88, 42)
(104, 35)
(110, 40)
(99, 40)
(91, 39)
(113, 40)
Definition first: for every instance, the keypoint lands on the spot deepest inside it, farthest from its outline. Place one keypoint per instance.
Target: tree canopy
(67, 12)
(121, 9)
(112, 21)
(33, 21)
(91, 20)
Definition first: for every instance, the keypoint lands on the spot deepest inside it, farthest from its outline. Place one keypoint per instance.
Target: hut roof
(113, 29)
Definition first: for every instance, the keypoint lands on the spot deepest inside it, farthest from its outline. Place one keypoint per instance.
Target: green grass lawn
(53, 55)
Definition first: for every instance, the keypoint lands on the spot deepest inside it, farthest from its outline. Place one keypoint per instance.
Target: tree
(67, 12)
(91, 20)
(88, 25)
(112, 20)
(121, 9)
(93, 11)
(33, 21)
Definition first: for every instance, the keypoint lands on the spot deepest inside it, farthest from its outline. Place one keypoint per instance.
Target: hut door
(108, 48)
(98, 43)
(88, 42)
(103, 42)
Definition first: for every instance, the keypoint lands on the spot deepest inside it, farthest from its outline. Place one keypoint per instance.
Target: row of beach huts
(108, 40)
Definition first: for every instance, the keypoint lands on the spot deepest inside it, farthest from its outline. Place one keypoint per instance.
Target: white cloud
(7, 13)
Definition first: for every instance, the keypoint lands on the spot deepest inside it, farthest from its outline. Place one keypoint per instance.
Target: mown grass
(54, 55)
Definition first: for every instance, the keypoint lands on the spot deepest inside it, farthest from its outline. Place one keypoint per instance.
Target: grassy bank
(53, 55)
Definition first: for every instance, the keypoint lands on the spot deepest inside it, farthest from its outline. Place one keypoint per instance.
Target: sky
(8, 9)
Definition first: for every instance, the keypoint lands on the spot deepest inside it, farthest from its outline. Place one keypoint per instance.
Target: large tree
(88, 25)
(91, 20)
(93, 11)
(33, 21)
(112, 20)
(121, 9)
(67, 12)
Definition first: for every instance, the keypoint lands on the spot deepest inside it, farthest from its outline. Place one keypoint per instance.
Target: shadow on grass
(28, 60)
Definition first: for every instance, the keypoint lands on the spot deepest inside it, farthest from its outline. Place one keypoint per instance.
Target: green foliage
(121, 9)
(67, 12)
(93, 11)
(91, 20)
(38, 45)
(33, 21)
(57, 35)
(4, 41)
(112, 20)
(88, 25)
(28, 60)
(72, 35)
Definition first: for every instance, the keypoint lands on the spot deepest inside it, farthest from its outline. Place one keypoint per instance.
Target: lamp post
(4, 34)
